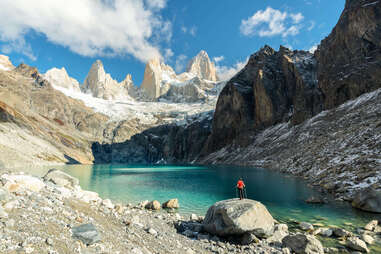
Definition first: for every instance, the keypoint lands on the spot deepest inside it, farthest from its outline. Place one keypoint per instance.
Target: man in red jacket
(240, 186)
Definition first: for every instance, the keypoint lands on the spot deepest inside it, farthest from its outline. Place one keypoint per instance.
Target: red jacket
(240, 184)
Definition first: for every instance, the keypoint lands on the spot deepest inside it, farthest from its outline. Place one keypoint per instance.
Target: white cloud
(271, 22)
(18, 46)
(180, 63)
(192, 31)
(227, 72)
(168, 53)
(184, 29)
(218, 59)
(89, 27)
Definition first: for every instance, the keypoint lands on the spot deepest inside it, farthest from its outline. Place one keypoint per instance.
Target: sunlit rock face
(60, 78)
(101, 85)
(202, 67)
(5, 63)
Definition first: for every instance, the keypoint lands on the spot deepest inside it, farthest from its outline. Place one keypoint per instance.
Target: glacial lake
(197, 188)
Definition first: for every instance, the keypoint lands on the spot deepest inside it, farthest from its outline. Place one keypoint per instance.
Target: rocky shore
(54, 215)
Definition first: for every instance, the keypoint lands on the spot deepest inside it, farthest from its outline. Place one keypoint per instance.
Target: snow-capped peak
(60, 78)
(201, 66)
(5, 63)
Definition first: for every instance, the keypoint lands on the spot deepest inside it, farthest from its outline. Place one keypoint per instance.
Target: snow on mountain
(202, 67)
(60, 78)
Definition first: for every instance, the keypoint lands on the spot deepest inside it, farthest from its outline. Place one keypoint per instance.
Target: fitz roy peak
(202, 67)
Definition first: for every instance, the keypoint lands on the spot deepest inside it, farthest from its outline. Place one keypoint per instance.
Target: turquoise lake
(197, 188)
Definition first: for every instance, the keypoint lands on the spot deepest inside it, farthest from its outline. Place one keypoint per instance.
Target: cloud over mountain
(88, 27)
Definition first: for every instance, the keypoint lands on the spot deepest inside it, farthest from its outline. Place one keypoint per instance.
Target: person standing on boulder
(240, 186)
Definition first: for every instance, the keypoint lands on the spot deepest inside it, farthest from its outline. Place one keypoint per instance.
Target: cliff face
(349, 59)
(288, 85)
(273, 87)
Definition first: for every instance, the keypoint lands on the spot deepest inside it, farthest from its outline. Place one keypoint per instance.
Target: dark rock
(303, 244)
(368, 200)
(87, 233)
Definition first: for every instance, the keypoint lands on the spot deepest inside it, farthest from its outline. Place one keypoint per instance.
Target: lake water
(197, 188)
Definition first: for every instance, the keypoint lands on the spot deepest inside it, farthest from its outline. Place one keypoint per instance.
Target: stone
(23, 181)
(189, 251)
(248, 238)
(9, 206)
(4, 195)
(303, 244)
(367, 238)
(236, 217)
(87, 233)
(107, 203)
(61, 179)
(356, 243)
(152, 231)
(326, 232)
(153, 205)
(372, 225)
(193, 217)
(87, 196)
(143, 203)
(315, 200)
(119, 208)
(368, 200)
(49, 241)
(339, 232)
(280, 232)
(172, 203)
(188, 233)
(305, 226)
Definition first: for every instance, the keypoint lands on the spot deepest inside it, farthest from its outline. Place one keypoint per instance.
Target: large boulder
(368, 200)
(172, 203)
(153, 205)
(61, 179)
(237, 217)
(356, 243)
(303, 244)
(87, 233)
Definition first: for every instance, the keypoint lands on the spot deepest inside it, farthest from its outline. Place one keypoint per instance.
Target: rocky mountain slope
(263, 114)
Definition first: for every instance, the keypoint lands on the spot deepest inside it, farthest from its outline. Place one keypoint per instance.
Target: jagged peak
(201, 66)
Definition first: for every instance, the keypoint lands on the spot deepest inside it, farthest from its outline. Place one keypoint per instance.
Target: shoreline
(50, 213)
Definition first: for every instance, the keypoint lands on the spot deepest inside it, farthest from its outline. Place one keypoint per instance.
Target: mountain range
(315, 115)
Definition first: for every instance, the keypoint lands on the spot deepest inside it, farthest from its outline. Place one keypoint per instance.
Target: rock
(248, 238)
(189, 251)
(368, 200)
(315, 200)
(152, 231)
(236, 217)
(339, 232)
(202, 67)
(10, 223)
(326, 232)
(153, 205)
(59, 77)
(49, 241)
(355, 243)
(143, 203)
(23, 181)
(119, 208)
(61, 179)
(172, 203)
(107, 203)
(372, 225)
(5, 63)
(87, 196)
(189, 233)
(9, 206)
(303, 244)
(87, 233)
(202, 237)
(4, 195)
(280, 231)
(367, 238)
(306, 226)
(193, 217)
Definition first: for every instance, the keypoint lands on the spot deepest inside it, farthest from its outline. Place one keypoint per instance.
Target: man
(240, 186)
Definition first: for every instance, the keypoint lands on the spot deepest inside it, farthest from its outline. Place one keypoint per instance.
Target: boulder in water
(172, 203)
(368, 200)
(153, 205)
(61, 179)
(356, 243)
(237, 217)
(303, 244)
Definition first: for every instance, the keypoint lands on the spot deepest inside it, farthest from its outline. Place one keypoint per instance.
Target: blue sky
(125, 33)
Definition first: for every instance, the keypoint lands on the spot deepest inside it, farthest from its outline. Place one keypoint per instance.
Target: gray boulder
(356, 243)
(237, 217)
(303, 244)
(368, 200)
(87, 233)
(61, 179)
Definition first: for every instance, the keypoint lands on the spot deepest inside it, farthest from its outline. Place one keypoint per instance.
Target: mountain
(5, 64)
(202, 67)
(316, 115)
(101, 85)
(60, 78)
